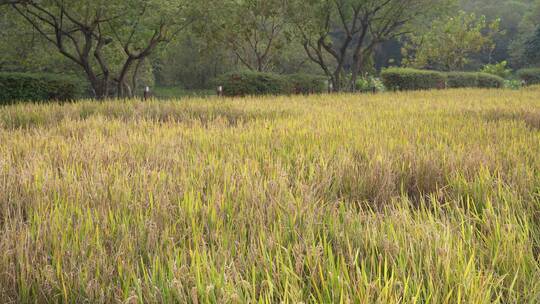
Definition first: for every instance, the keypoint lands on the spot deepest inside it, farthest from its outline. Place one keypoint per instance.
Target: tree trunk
(359, 54)
(135, 76)
(98, 88)
(336, 79)
(121, 81)
(355, 71)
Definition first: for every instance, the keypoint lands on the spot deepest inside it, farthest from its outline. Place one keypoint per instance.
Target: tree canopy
(450, 42)
(117, 45)
(532, 48)
(341, 35)
(106, 39)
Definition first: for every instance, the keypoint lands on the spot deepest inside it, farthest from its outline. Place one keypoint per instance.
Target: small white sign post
(220, 91)
(146, 93)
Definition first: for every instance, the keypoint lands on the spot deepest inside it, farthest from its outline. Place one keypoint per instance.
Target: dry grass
(427, 197)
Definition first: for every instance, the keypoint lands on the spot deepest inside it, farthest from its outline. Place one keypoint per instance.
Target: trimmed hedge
(306, 84)
(411, 79)
(36, 87)
(461, 80)
(530, 76)
(256, 83)
(486, 80)
(473, 80)
(252, 83)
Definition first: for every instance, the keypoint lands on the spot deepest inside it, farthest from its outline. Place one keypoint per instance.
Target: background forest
(178, 45)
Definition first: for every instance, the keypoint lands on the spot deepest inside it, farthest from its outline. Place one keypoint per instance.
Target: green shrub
(461, 80)
(256, 83)
(530, 76)
(411, 79)
(252, 83)
(306, 84)
(370, 84)
(499, 69)
(36, 87)
(486, 80)
(473, 80)
(512, 84)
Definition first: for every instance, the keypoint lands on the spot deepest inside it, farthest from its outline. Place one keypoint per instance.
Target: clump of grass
(393, 198)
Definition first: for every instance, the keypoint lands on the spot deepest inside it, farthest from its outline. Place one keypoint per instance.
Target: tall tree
(510, 13)
(527, 27)
(95, 33)
(253, 30)
(450, 43)
(532, 48)
(340, 35)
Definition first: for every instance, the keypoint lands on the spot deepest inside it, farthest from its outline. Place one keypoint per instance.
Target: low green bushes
(256, 83)
(252, 83)
(461, 80)
(36, 87)
(499, 69)
(411, 79)
(530, 76)
(486, 80)
(306, 84)
(370, 84)
(473, 80)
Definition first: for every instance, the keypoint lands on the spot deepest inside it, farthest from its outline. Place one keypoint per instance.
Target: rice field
(421, 197)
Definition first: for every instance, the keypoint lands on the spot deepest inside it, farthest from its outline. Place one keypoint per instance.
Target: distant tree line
(117, 46)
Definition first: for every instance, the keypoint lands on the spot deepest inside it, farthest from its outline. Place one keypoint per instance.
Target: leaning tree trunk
(99, 86)
(135, 76)
(359, 54)
(358, 61)
(121, 81)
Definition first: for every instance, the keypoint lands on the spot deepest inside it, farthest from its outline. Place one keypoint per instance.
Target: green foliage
(306, 84)
(532, 48)
(36, 87)
(257, 83)
(473, 80)
(450, 43)
(105, 40)
(255, 31)
(511, 14)
(461, 80)
(519, 48)
(500, 69)
(191, 63)
(341, 36)
(252, 83)
(370, 84)
(412, 79)
(489, 81)
(23, 50)
(530, 76)
(512, 84)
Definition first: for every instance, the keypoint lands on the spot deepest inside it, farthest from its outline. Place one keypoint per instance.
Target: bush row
(473, 80)
(412, 79)
(530, 76)
(36, 87)
(255, 83)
